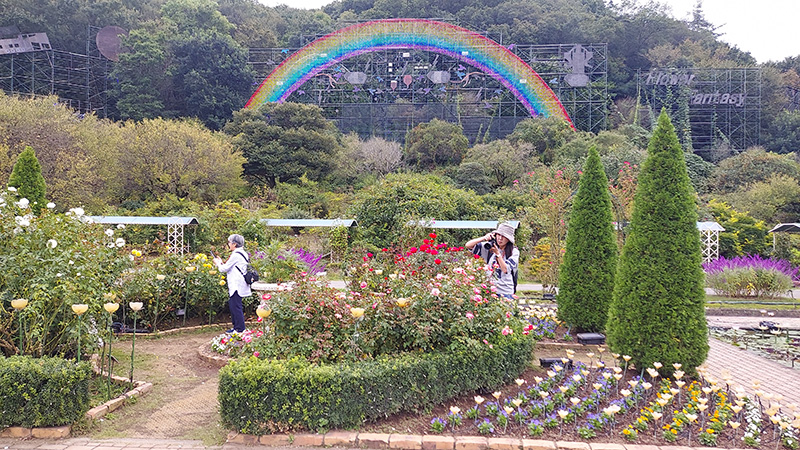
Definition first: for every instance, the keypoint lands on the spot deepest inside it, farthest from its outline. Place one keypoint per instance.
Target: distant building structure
(12, 41)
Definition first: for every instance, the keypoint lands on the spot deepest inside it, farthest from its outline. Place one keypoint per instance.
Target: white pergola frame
(175, 227)
(709, 238)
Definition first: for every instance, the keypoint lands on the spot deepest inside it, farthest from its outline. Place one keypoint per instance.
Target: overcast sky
(765, 28)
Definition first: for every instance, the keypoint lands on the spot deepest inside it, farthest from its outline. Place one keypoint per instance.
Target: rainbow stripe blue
(439, 37)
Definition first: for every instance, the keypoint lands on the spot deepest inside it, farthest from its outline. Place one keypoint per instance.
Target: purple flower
(751, 262)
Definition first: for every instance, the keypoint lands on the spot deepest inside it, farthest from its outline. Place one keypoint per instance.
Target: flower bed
(589, 402)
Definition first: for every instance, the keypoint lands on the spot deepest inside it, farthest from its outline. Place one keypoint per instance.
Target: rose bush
(421, 299)
(54, 261)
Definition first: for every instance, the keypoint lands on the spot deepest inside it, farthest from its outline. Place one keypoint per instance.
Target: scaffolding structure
(722, 106)
(79, 81)
(389, 91)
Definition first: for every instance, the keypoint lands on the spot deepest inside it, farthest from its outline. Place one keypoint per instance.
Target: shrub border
(273, 395)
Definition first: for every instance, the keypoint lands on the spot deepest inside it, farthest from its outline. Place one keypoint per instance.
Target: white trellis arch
(709, 238)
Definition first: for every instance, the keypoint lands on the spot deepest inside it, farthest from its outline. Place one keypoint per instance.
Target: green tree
(545, 135)
(657, 310)
(783, 134)
(586, 278)
(183, 158)
(384, 209)
(27, 178)
(743, 234)
(283, 141)
(141, 79)
(776, 199)
(501, 163)
(755, 164)
(435, 144)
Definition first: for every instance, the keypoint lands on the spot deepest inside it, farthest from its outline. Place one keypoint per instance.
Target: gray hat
(505, 229)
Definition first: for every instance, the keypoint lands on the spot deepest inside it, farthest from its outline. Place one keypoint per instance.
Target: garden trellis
(175, 227)
(709, 237)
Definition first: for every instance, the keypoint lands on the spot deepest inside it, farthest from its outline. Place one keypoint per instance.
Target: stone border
(355, 439)
(218, 360)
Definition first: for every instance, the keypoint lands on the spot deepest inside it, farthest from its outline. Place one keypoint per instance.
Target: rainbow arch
(439, 37)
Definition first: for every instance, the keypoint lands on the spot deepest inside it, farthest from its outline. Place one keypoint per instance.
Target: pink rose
(363, 285)
(256, 354)
(469, 315)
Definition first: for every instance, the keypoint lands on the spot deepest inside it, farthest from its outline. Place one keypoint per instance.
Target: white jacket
(235, 268)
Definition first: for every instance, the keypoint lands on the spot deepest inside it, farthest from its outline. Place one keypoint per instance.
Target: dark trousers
(237, 311)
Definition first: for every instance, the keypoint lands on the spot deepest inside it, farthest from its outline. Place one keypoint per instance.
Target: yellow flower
(402, 302)
(190, 269)
(222, 282)
(80, 308)
(357, 312)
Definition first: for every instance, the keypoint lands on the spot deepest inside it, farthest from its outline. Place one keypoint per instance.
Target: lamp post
(189, 270)
(136, 307)
(159, 279)
(110, 308)
(263, 311)
(18, 305)
(79, 309)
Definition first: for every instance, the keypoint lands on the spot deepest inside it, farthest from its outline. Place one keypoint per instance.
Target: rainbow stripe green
(439, 37)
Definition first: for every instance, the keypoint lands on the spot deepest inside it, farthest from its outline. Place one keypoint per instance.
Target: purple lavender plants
(750, 276)
(312, 261)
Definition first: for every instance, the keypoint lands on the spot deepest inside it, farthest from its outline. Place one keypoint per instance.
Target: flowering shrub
(54, 261)
(236, 344)
(427, 298)
(169, 283)
(749, 276)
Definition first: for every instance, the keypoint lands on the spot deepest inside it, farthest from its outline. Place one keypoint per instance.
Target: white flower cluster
(788, 430)
(752, 417)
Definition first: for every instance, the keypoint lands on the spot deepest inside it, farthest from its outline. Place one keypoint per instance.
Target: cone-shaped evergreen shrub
(586, 281)
(27, 178)
(657, 311)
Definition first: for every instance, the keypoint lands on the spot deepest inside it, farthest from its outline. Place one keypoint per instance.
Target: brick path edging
(427, 442)
(140, 388)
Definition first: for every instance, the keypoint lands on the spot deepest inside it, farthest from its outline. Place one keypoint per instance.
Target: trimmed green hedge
(42, 392)
(262, 396)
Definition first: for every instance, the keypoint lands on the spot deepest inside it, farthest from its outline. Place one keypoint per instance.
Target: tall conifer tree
(586, 282)
(27, 177)
(657, 311)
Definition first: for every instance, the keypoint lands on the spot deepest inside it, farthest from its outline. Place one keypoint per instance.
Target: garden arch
(428, 35)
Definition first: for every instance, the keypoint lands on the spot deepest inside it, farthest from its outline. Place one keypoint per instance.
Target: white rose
(120, 226)
(51, 205)
(22, 221)
(23, 203)
(109, 232)
(120, 242)
(12, 189)
(52, 243)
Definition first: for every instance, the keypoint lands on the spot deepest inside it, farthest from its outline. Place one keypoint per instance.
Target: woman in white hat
(501, 256)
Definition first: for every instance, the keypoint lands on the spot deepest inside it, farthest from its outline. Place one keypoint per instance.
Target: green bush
(42, 392)
(27, 178)
(586, 278)
(749, 281)
(259, 396)
(657, 313)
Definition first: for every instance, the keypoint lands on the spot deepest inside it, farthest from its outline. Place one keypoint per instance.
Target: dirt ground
(183, 402)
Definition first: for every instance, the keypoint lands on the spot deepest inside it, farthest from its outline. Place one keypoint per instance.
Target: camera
(492, 243)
